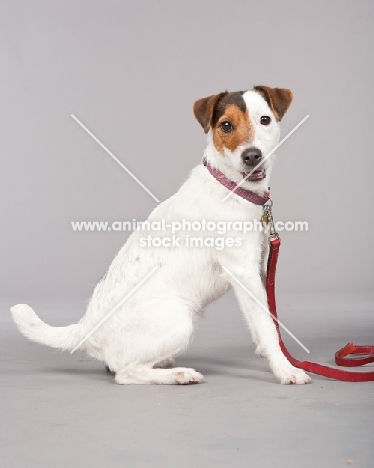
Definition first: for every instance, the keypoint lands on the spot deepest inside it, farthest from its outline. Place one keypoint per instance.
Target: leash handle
(366, 353)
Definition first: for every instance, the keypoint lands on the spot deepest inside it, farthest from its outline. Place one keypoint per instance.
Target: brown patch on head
(211, 112)
(279, 99)
(204, 108)
(242, 129)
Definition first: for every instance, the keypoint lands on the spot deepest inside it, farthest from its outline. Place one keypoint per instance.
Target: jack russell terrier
(138, 341)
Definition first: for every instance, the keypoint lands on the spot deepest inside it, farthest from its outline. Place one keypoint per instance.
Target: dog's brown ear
(278, 99)
(204, 108)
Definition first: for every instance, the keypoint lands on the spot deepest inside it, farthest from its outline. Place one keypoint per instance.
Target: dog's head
(243, 127)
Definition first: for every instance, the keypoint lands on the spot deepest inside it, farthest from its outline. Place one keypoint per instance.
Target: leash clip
(268, 221)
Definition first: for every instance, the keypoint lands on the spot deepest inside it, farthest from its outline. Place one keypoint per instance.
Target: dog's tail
(30, 325)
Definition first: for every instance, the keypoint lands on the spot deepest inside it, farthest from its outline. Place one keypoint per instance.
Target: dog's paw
(292, 375)
(185, 376)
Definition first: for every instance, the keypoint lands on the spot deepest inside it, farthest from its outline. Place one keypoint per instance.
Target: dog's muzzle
(251, 158)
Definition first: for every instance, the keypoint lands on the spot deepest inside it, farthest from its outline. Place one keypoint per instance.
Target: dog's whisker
(266, 157)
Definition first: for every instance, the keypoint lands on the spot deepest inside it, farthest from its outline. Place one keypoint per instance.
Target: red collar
(230, 185)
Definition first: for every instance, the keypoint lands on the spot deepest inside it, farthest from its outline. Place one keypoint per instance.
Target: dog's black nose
(251, 156)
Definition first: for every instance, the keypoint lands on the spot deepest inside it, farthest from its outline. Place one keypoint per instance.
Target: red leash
(365, 353)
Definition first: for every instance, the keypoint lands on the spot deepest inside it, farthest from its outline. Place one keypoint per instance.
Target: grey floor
(62, 410)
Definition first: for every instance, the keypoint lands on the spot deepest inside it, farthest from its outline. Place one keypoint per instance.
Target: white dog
(139, 339)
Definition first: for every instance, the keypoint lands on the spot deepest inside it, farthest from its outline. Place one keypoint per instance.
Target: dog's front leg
(262, 327)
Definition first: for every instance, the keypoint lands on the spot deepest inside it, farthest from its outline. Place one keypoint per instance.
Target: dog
(139, 340)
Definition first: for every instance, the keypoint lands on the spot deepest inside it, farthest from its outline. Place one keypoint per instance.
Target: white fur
(157, 321)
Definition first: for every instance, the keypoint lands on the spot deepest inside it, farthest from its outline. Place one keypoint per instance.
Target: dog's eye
(226, 127)
(265, 120)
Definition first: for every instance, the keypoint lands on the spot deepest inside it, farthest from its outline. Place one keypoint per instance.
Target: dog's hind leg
(141, 374)
(165, 364)
(160, 329)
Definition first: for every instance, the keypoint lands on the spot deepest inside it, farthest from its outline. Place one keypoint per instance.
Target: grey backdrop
(131, 71)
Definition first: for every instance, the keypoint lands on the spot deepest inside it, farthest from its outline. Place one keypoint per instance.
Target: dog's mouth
(256, 175)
